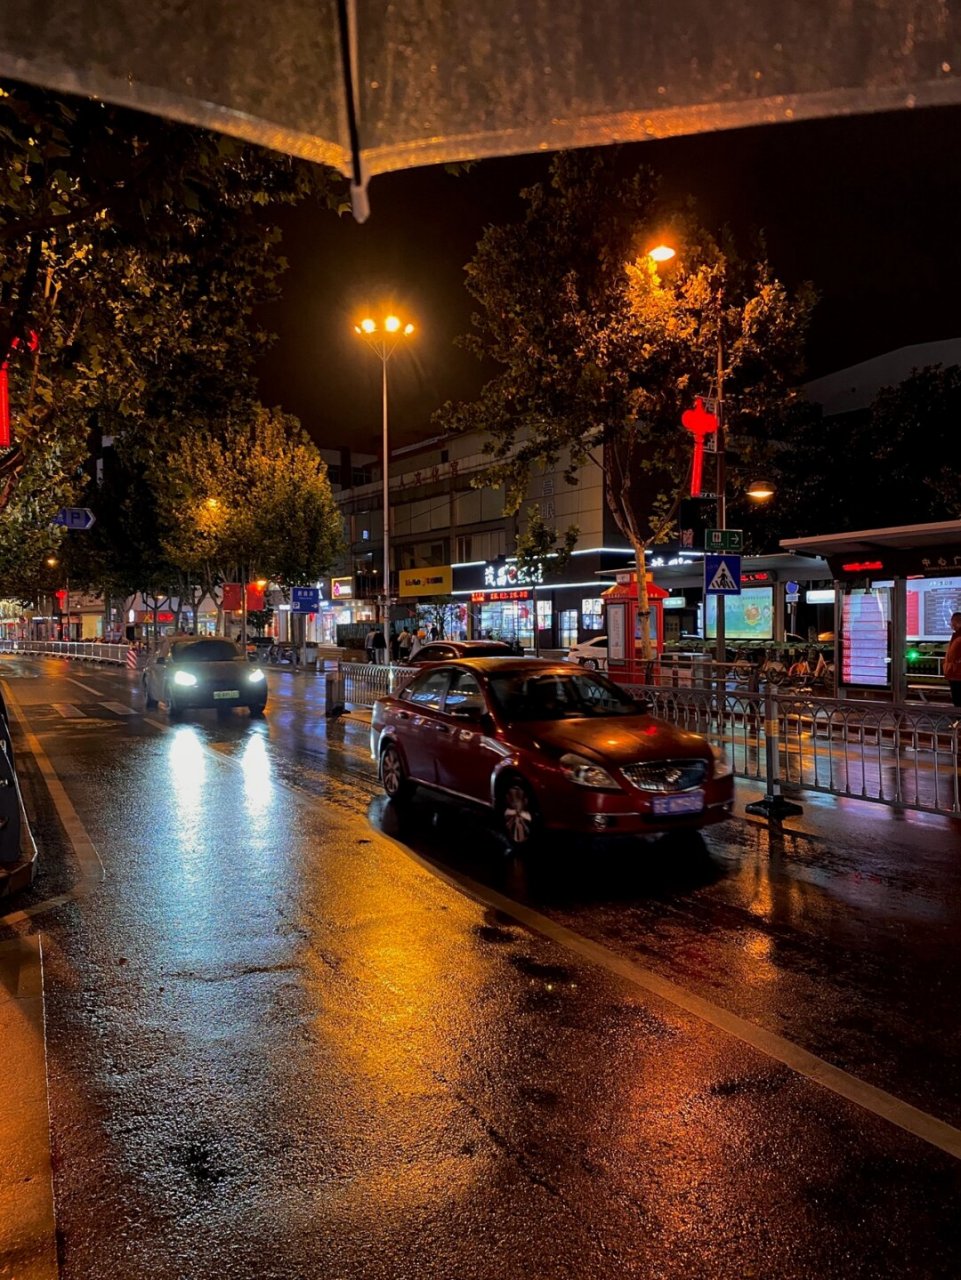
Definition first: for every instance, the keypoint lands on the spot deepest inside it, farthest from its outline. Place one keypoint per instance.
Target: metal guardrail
(360, 684)
(86, 650)
(903, 756)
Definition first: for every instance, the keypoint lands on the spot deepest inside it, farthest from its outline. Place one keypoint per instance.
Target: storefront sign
(494, 597)
(436, 581)
(498, 573)
(341, 588)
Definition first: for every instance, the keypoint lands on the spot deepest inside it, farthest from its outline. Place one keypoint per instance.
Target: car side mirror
(645, 705)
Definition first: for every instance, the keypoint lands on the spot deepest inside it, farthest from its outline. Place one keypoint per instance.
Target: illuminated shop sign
(500, 574)
(863, 566)
(755, 577)
(494, 597)
(341, 588)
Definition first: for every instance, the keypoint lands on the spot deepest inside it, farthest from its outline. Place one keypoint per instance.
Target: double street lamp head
(393, 325)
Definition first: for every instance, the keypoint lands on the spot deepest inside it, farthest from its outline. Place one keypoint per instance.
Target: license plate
(685, 802)
(226, 693)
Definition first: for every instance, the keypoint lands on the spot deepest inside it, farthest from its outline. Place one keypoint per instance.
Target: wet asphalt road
(280, 1045)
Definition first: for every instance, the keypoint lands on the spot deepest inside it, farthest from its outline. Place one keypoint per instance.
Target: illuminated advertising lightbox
(930, 604)
(749, 616)
(866, 637)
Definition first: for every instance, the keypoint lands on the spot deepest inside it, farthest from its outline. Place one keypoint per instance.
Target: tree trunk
(643, 603)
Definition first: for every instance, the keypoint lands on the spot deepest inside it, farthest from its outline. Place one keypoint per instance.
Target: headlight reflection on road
(258, 782)
(188, 783)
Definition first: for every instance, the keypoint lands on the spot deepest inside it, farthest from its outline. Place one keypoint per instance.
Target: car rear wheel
(393, 775)
(517, 815)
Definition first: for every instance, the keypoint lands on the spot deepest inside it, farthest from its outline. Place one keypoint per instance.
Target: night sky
(865, 207)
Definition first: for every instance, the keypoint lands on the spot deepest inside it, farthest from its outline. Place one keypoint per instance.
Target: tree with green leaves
(134, 253)
(249, 500)
(600, 353)
(540, 551)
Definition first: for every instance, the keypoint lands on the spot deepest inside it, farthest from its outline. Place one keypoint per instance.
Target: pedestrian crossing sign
(722, 575)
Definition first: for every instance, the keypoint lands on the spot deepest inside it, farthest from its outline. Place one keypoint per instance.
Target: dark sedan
(445, 650)
(196, 671)
(546, 746)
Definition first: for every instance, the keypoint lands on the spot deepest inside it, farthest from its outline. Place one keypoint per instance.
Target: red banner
(255, 597)
(232, 598)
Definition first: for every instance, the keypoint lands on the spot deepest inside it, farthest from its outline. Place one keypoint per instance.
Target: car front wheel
(394, 775)
(590, 663)
(517, 815)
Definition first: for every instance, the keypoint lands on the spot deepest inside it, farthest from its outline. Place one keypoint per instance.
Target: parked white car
(590, 653)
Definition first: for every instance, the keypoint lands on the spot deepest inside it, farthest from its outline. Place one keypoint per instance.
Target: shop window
(464, 547)
(567, 628)
(592, 614)
(545, 615)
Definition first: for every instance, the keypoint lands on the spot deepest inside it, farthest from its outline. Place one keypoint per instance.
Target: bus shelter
(895, 590)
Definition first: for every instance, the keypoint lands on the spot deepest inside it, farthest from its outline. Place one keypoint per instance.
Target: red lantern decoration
(700, 422)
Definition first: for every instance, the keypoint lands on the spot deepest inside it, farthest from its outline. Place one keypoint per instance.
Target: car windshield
(559, 696)
(204, 651)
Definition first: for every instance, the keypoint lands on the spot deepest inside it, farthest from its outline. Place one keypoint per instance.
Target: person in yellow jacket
(952, 660)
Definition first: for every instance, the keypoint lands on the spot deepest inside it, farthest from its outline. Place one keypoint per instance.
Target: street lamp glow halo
(661, 253)
(760, 490)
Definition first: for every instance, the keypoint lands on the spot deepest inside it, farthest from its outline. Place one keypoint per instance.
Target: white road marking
(68, 711)
(91, 864)
(86, 687)
(877, 1101)
(120, 708)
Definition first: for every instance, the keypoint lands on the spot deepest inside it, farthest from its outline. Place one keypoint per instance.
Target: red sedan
(546, 746)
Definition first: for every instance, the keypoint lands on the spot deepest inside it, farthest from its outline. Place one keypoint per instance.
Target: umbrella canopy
(369, 86)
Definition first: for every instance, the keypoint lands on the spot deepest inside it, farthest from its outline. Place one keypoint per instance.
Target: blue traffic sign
(75, 518)
(304, 599)
(722, 575)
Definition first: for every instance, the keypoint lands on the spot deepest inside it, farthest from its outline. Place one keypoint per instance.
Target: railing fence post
(774, 806)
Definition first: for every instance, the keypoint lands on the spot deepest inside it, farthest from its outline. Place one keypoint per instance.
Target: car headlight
(722, 766)
(585, 773)
(184, 678)
(256, 676)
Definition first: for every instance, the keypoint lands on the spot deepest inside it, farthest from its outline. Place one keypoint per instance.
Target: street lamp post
(659, 255)
(383, 336)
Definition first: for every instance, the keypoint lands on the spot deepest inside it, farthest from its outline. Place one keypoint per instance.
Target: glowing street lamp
(760, 490)
(383, 337)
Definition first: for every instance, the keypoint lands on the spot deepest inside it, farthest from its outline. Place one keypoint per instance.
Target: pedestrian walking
(379, 646)
(418, 642)
(952, 661)
(404, 641)
(369, 644)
